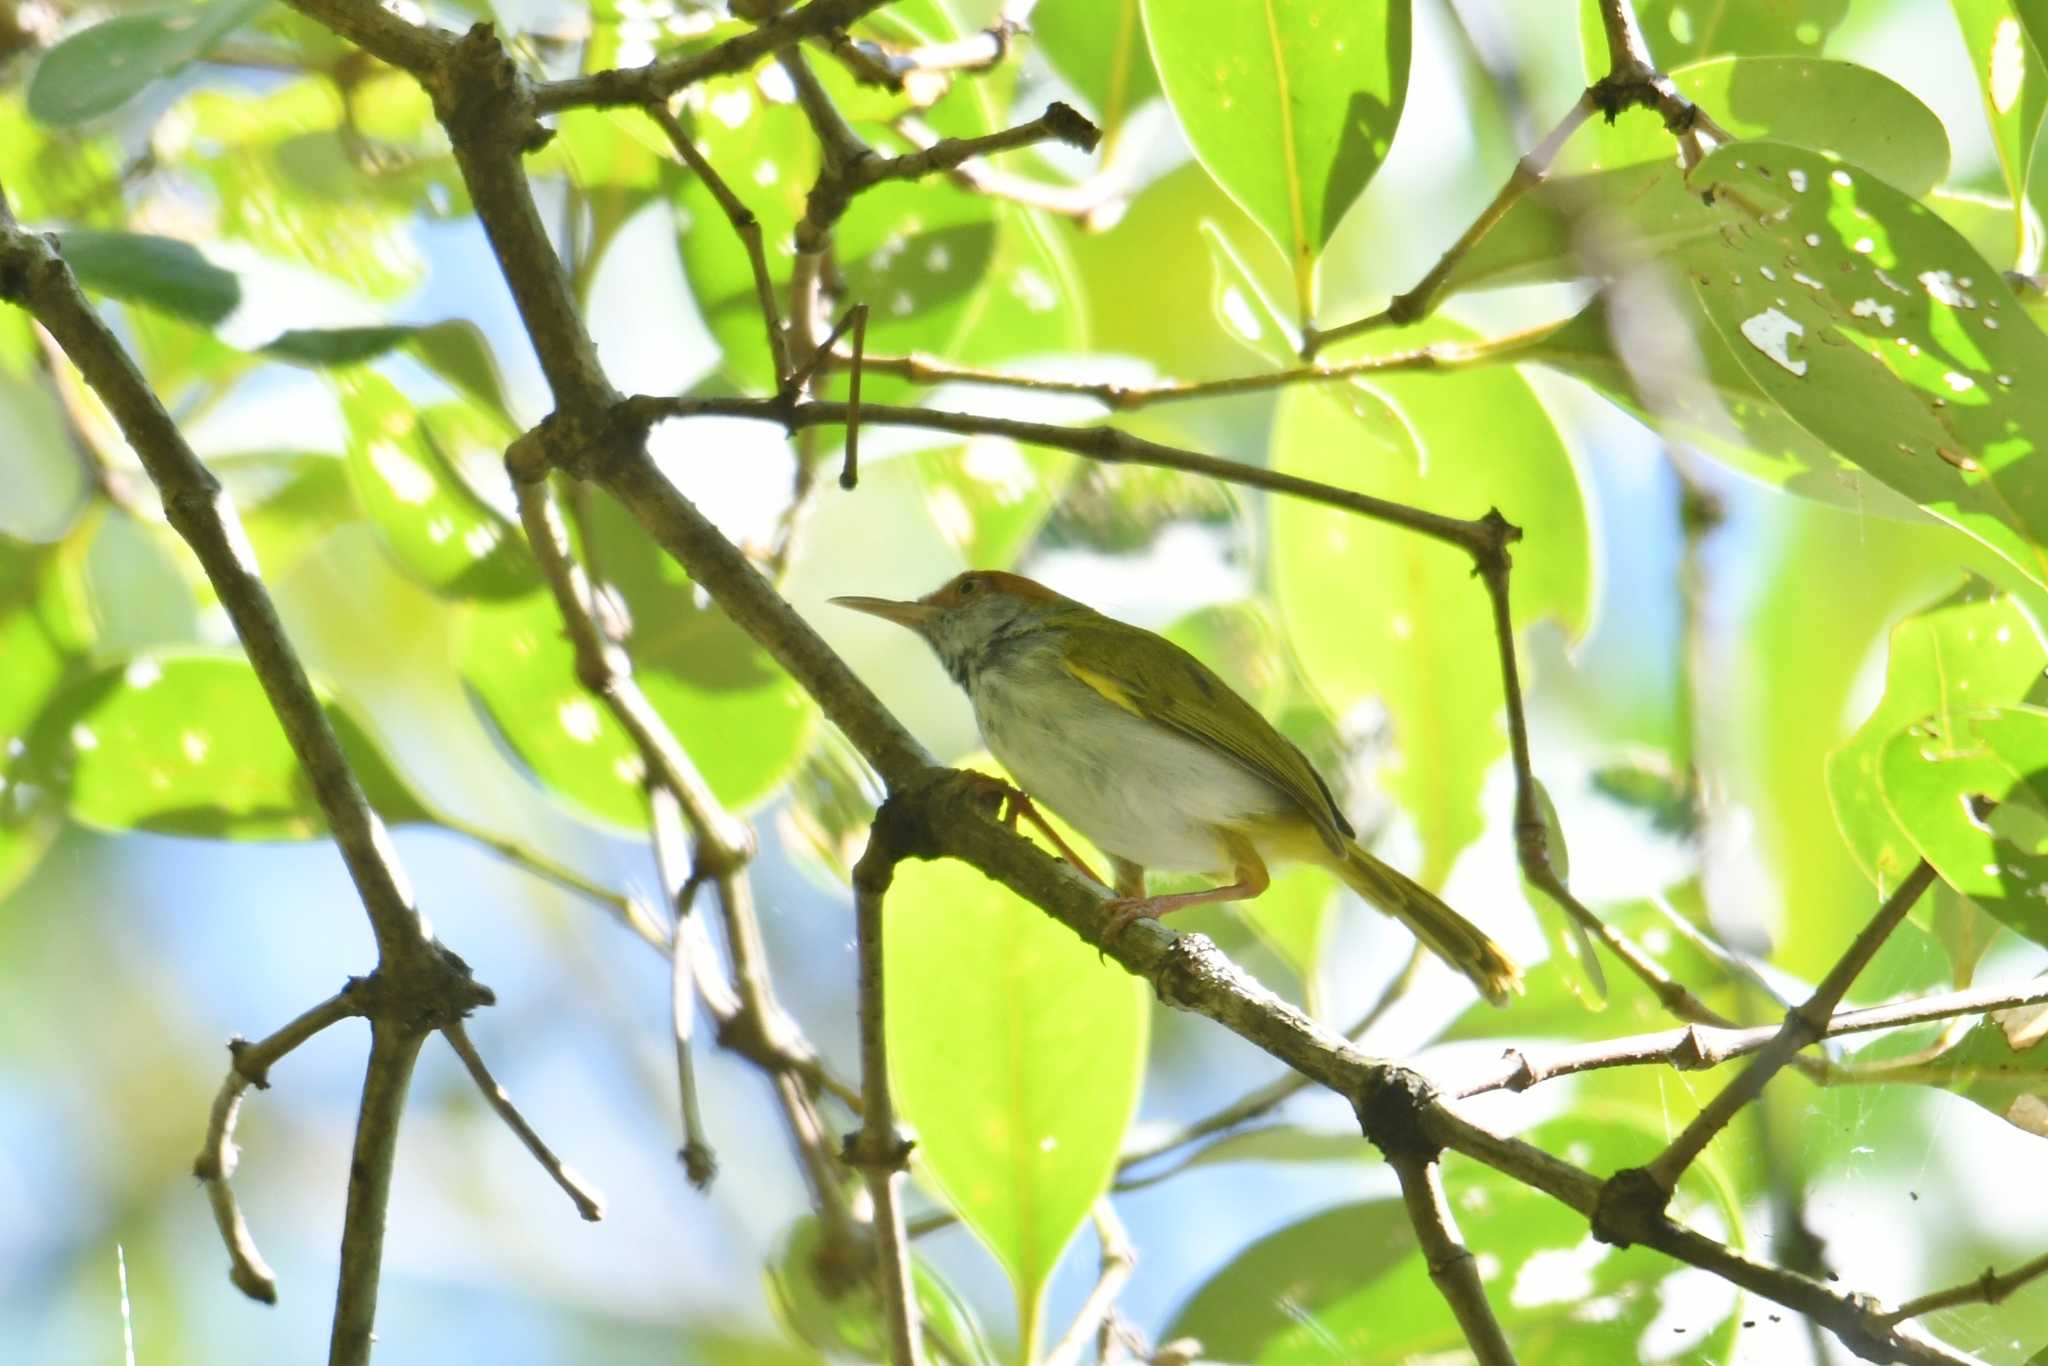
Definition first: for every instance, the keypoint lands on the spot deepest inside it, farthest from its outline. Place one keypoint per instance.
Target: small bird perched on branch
(1144, 750)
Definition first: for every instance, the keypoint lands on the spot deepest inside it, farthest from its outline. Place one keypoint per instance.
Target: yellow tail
(1442, 930)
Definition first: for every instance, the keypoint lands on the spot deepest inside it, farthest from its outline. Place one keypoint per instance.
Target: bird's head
(970, 613)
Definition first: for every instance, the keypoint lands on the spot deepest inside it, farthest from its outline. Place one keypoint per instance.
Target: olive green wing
(1150, 676)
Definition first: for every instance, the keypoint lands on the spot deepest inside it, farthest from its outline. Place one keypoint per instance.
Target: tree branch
(1629, 1193)
(1392, 1106)
(393, 1051)
(250, 1065)
(879, 1151)
(658, 80)
(1118, 1260)
(1442, 356)
(588, 1202)
(1989, 1288)
(745, 226)
(1701, 1046)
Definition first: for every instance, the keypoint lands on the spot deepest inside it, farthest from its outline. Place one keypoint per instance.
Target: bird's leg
(1252, 879)
(1016, 802)
(1130, 877)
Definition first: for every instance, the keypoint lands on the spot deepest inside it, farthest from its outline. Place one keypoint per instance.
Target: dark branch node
(893, 1154)
(1393, 1105)
(1630, 1208)
(1069, 125)
(699, 1164)
(482, 99)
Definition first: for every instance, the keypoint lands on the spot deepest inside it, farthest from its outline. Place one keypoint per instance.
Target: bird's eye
(968, 586)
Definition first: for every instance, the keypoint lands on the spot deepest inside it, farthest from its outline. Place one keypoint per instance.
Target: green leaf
(1680, 31)
(846, 1320)
(990, 496)
(1376, 611)
(1349, 1285)
(916, 252)
(406, 465)
(186, 744)
(1878, 328)
(2014, 82)
(1939, 779)
(298, 175)
(1273, 1143)
(2000, 1064)
(1699, 393)
(289, 501)
(777, 158)
(1017, 1057)
(1244, 310)
(1098, 47)
(1856, 114)
(742, 721)
(1290, 106)
(101, 68)
(44, 630)
(157, 272)
(1975, 648)
(1621, 190)
(454, 349)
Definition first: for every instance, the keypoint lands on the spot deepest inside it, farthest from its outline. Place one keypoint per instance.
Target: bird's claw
(1017, 802)
(1126, 911)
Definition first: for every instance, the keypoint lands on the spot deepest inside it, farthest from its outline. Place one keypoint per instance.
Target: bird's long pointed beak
(914, 615)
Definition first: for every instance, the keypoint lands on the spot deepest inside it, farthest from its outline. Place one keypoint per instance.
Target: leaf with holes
(1374, 611)
(1971, 791)
(1619, 198)
(186, 744)
(1291, 107)
(99, 69)
(1017, 1059)
(1975, 648)
(1680, 31)
(1680, 378)
(1879, 329)
(406, 465)
(2013, 80)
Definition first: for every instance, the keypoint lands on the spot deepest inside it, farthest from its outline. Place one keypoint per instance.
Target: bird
(1143, 749)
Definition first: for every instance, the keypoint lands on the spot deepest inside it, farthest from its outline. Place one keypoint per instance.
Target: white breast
(1134, 787)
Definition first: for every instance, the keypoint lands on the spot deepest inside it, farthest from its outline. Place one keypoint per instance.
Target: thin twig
(1701, 1046)
(1106, 444)
(1628, 1194)
(1451, 1264)
(250, 1065)
(1416, 302)
(588, 1202)
(1989, 1288)
(849, 468)
(878, 1151)
(1532, 833)
(745, 225)
(1440, 357)
(680, 882)
(1119, 1259)
(647, 84)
